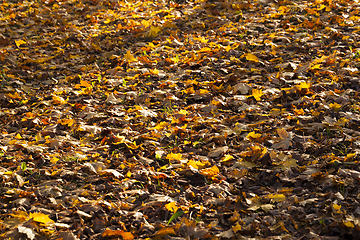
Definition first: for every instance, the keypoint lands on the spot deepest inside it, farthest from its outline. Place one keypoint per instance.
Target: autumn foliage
(179, 119)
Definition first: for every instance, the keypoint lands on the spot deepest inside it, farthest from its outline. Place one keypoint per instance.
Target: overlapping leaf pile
(166, 120)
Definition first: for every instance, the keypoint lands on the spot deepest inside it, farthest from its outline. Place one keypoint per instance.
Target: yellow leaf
(189, 90)
(350, 156)
(336, 207)
(154, 71)
(160, 126)
(171, 207)
(335, 106)
(38, 137)
(236, 228)
(251, 57)
(132, 145)
(145, 23)
(174, 157)
(227, 158)
(108, 20)
(154, 32)
(203, 91)
(316, 66)
(59, 100)
(196, 164)
(129, 57)
(7, 173)
(54, 160)
(205, 49)
(349, 224)
(257, 94)
(277, 197)
(18, 136)
(342, 121)
(40, 217)
(201, 39)
(303, 85)
(210, 172)
(19, 42)
(183, 111)
(253, 135)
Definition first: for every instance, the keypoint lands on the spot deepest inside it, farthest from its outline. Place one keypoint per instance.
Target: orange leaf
(210, 172)
(165, 231)
(118, 233)
(14, 96)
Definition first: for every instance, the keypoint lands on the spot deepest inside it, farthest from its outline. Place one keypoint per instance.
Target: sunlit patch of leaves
(188, 119)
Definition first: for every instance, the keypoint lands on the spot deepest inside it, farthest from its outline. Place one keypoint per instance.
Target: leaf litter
(179, 119)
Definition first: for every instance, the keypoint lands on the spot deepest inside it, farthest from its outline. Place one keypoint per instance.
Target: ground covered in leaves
(173, 120)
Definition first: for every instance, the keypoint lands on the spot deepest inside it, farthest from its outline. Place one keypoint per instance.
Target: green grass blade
(175, 215)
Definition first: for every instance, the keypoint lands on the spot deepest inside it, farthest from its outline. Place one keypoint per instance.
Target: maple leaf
(129, 57)
(210, 172)
(41, 218)
(253, 135)
(103, 103)
(251, 57)
(171, 207)
(19, 42)
(257, 94)
(174, 157)
(154, 31)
